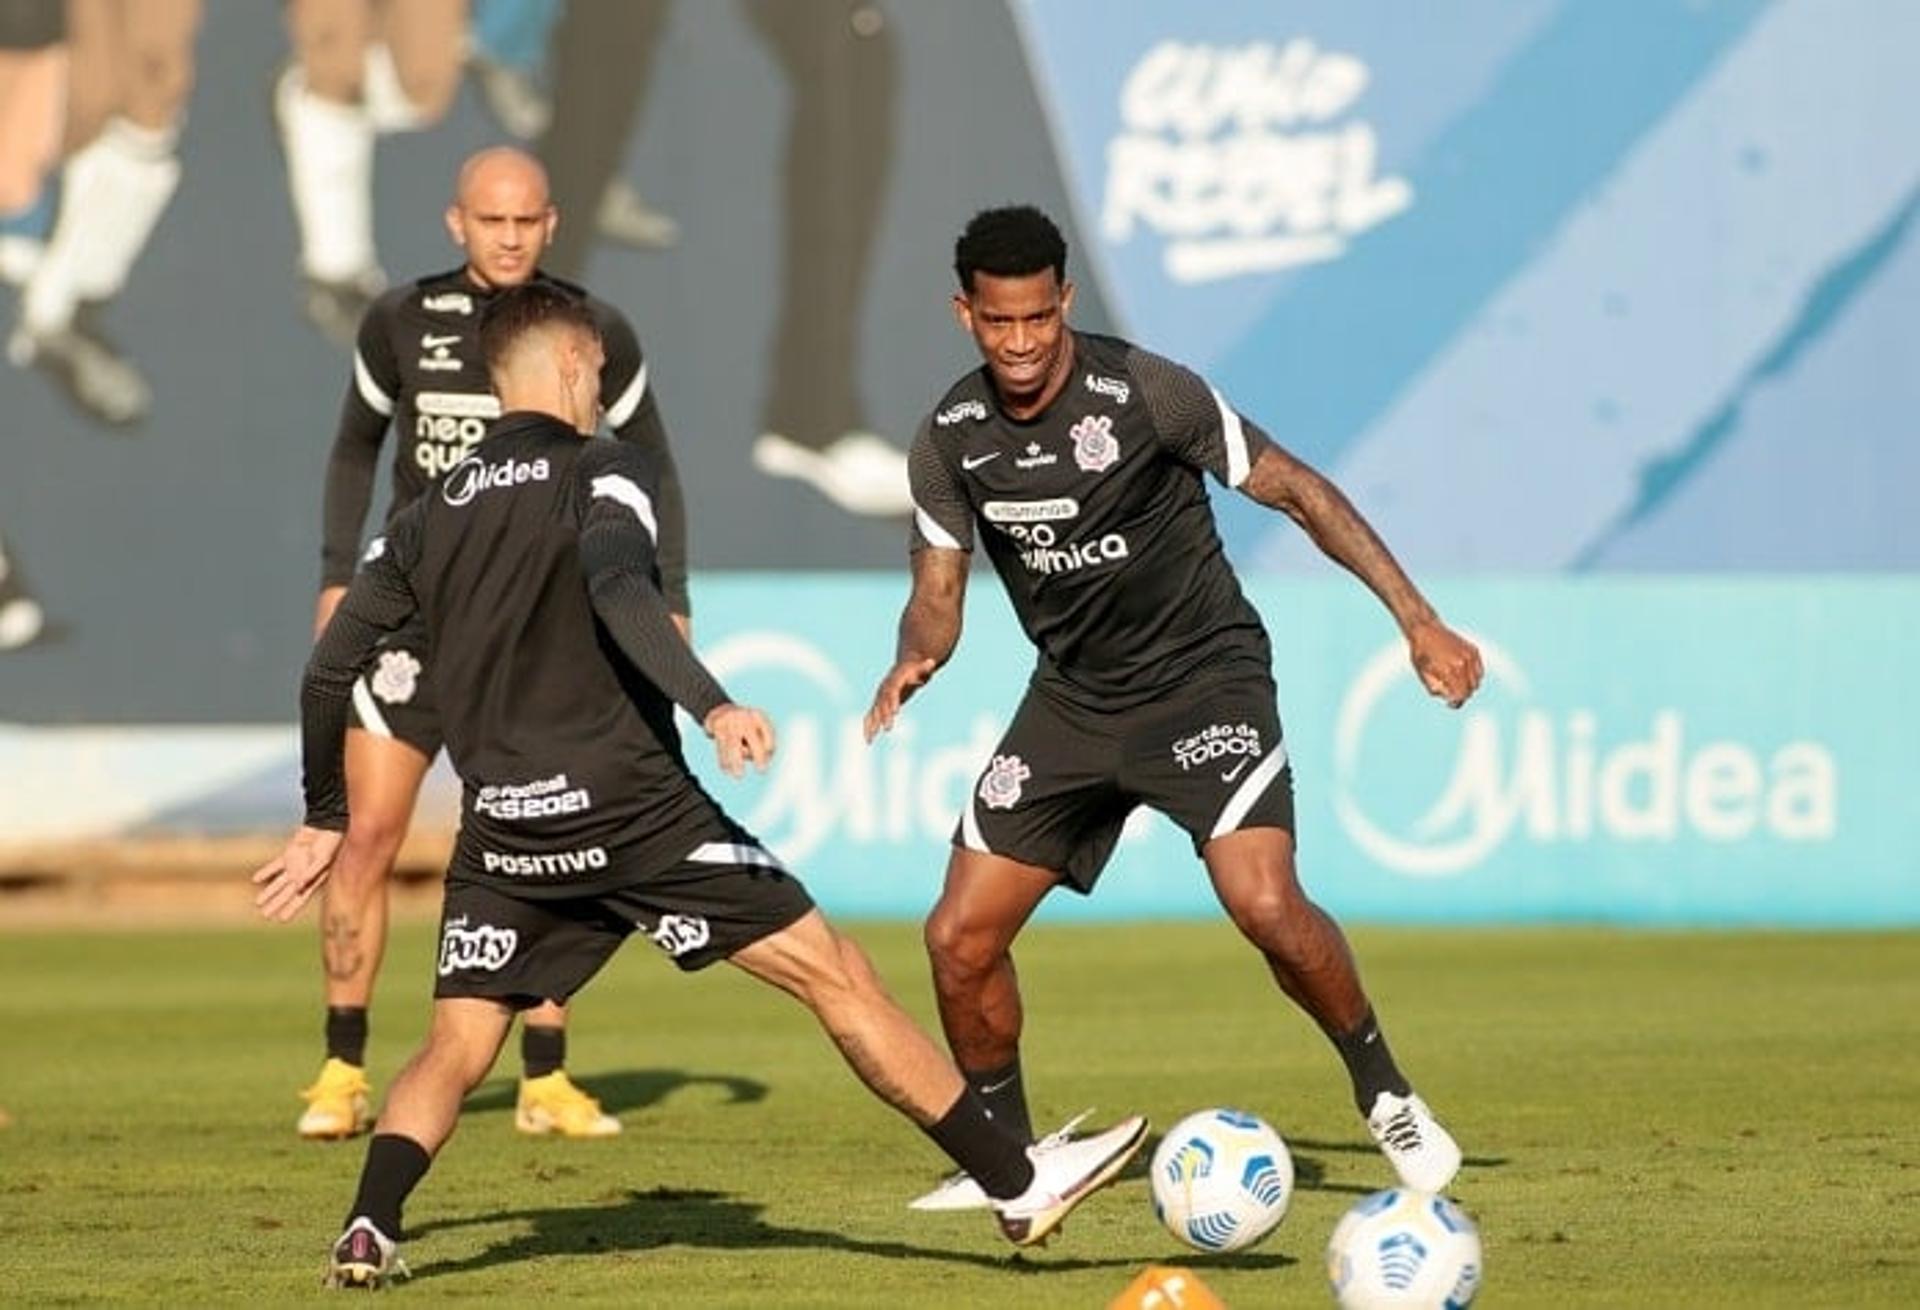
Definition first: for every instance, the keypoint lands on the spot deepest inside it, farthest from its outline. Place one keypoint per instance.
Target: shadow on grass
(629, 1089)
(1368, 1148)
(633, 1221)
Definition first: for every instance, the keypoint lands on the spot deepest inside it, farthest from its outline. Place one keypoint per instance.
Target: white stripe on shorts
(724, 852)
(370, 716)
(970, 830)
(1249, 791)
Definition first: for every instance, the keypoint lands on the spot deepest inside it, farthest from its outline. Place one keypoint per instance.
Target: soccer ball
(1402, 1248)
(1221, 1180)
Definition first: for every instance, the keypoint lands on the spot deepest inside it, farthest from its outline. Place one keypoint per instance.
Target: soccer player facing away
(1078, 460)
(417, 370)
(534, 567)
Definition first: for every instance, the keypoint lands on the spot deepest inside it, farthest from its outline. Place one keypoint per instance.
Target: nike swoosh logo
(991, 1088)
(1234, 772)
(978, 460)
(431, 342)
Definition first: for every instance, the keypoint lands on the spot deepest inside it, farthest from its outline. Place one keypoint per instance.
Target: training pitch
(1651, 1119)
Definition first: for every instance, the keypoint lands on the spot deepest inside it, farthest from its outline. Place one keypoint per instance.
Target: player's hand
(323, 611)
(896, 689)
(1448, 664)
(741, 736)
(289, 880)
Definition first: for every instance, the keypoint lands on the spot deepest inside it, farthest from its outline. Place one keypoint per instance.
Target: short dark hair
(513, 313)
(1012, 241)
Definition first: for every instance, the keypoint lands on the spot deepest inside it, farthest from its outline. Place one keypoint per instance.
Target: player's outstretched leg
(549, 1101)
(418, 1118)
(383, 778)
(1253, 874)
(1031, 1193)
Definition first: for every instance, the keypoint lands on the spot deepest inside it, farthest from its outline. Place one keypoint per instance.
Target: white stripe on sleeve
(623, 409)
(619, 487)
(932, 531)
(377, 400)
(1235, 436)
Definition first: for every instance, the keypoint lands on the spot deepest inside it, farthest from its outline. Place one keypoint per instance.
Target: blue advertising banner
(1672, 751)
(1547, 285)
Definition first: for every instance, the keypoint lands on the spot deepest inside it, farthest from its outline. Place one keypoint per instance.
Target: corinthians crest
(396, 677)
(1000, 785)
(1095, 448)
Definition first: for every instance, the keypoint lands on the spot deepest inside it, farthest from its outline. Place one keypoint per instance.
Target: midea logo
(1548, 777)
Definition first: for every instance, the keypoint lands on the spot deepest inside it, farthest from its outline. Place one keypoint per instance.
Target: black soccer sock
(1005, 1097)
(994, 1157)
(1369, 1063)
(347, 1034)
(395, 1165)
(542, 1050)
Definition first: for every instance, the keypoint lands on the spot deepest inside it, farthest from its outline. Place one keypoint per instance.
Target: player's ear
(963, 312)
(454, 229)
(553, 222)
(1066, 299)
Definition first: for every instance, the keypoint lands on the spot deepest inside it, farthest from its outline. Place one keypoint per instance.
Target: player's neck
(532, 402)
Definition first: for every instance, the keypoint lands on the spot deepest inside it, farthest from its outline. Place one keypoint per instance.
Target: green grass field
(1658, 1119)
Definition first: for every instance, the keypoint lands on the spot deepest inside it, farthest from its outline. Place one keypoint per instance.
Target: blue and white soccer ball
(1402, 1248)
(1221, 1180)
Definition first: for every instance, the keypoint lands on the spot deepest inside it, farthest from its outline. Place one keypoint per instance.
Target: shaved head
(501, 216)
(499, 167)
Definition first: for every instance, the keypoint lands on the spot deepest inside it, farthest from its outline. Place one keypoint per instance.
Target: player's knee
(373, 838)
(1271, 913)
(162, 81)
(955, 949)
(429, 86)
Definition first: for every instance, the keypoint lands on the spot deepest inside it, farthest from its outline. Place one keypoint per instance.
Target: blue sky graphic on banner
(1543, 284)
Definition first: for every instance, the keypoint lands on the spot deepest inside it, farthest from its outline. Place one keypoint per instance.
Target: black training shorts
(1064, 777)
(523, 950)
(393, 696)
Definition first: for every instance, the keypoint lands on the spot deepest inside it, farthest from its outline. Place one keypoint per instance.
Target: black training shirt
(1095, 516)
(556, 663)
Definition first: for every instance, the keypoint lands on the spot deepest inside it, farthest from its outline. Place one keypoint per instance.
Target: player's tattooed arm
(929, 631)
(1448, 664)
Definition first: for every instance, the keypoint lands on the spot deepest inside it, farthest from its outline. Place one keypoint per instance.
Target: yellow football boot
(553, 1104)
(337, 1103)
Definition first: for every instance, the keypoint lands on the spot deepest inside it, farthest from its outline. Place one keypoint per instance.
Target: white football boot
(1422, 1153)
(959, 1191)
(1066, 1176)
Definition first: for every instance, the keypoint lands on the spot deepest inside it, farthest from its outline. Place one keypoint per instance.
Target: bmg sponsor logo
(1524, 772)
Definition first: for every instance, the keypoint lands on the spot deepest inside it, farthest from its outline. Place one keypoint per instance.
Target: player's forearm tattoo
(930, 624)
(1279, 481)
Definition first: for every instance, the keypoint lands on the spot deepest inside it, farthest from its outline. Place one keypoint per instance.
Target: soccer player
(131, 76)
(1078, 459)
(533, 566)
(417, 369)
